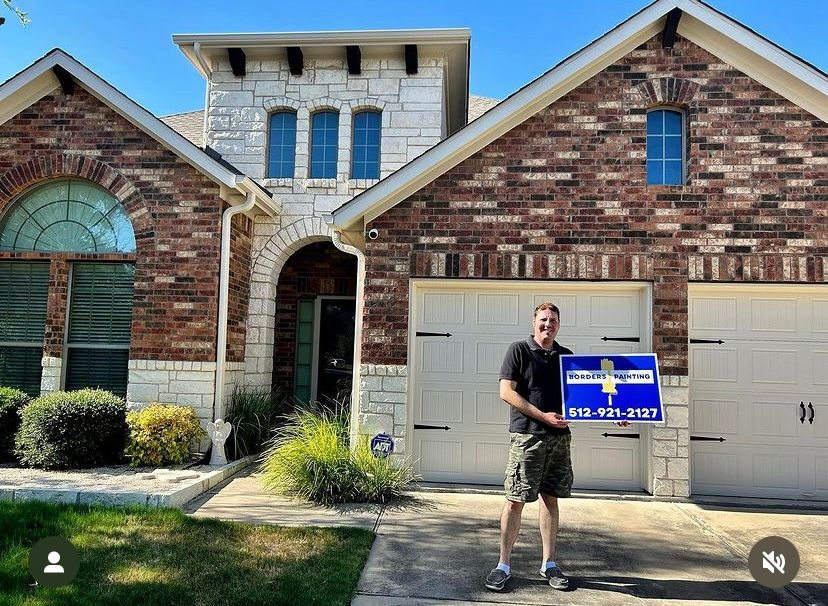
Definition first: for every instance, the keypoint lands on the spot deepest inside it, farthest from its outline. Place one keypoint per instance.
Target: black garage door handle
(802, 418)
(811, 408)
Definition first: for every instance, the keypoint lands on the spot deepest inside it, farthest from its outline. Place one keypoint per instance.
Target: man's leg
(509, 529)
(548, 522)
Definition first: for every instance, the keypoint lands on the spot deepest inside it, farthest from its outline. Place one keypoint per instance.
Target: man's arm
(514, 399)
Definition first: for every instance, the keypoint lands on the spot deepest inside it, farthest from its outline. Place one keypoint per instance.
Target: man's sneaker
(555, 577)
(496, 580)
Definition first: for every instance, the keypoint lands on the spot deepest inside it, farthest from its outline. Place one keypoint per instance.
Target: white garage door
(764, 389)
(454, 380)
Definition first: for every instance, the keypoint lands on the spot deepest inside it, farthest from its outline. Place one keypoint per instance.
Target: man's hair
(545, 306)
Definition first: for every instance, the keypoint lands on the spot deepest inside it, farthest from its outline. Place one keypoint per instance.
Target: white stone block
(664, 448)
(677, 416)
(678, 469)
(370, 383)
(385, 396)
(662, 488)
(269, 88)
(394, 384)
(231, 98)
(384, 86)
(191, 387)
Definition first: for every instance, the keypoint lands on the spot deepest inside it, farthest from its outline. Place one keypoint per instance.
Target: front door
(334, 359)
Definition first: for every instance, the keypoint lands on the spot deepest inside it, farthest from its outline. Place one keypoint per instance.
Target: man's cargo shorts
(538, 463)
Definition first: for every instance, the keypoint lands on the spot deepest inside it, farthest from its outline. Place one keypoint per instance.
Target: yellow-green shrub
(161, 434)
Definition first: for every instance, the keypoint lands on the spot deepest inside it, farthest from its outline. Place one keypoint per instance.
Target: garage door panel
(613, 311)
(490, 459)
(611, 348)
(440, 456)
(719, 365)
(821, 472)
(819, 367)
(819, 316)
(773, 365)
(489, 409)
(568, 304)
(489, 358)
(441, 309)
(442, 356)
(715, 468)
(715, 414)
(441, 406)
(774, 470)
(773, 316)
(498, 309)
(773, 419)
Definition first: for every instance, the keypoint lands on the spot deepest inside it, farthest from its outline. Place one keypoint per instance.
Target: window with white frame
(281, 145)
(365, 157)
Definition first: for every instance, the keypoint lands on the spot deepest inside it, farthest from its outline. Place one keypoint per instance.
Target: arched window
(281, 148)
(324, 142)
(365, 160)
(74, 216)
(665, 147)
(67, 216)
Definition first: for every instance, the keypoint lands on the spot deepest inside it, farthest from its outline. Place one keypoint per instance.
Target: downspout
(224, 295)
(355, 377)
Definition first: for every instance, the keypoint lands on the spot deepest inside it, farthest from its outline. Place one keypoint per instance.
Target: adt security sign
(382, 445)
(611, 388)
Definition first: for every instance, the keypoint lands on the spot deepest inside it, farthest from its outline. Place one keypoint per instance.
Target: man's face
(546, 326)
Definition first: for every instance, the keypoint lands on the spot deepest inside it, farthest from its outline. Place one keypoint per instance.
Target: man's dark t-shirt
(537, 373)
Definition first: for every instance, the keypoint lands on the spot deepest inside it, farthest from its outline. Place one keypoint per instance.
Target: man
(539, 463)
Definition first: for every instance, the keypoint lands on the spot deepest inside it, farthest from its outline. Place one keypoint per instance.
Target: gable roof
(39, 79)
(741, 47)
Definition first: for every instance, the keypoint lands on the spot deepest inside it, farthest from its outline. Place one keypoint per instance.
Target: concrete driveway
(437, 547)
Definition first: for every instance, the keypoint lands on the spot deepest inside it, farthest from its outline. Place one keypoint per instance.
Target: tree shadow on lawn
(131, 556)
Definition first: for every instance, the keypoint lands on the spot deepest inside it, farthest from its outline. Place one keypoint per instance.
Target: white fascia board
(333, 38)
(38, 80)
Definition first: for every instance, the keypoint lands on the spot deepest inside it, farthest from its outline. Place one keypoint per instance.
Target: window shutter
(24, 289)
(100, 322)
(304, 350)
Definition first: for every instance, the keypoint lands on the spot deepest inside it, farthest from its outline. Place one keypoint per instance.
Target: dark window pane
(672, 148)
(672, 173)
(655, 148)
(655, 122)
(672, 123)
(655, 172)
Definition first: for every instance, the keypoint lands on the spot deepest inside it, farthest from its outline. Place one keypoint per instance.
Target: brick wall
(564, 196)
(316, 269)
(241, 230)
(175, 211)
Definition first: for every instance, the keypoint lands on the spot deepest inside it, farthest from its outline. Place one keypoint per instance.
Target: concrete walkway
(436, 548)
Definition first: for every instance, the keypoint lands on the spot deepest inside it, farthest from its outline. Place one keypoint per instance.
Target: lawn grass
(160, 556)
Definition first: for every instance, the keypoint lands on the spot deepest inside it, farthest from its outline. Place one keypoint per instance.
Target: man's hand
(553, 419)
(621, 423)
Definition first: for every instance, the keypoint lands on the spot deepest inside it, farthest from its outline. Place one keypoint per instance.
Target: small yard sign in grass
(148, 557)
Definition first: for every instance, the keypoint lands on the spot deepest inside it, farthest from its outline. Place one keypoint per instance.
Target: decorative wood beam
(410, 59)
(354, 56)
(668, 36)
(67, 83)
(238, 61)
(295, 60)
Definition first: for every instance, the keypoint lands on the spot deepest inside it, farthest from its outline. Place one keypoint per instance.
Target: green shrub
(161, 434)
(309, 458)
(254, 413)
(11, 401)
(68, 429)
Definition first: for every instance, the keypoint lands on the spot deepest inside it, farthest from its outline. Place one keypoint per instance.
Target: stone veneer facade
(563, 196)
(413, 120)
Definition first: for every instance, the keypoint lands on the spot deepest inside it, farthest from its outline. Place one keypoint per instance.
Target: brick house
(664, 185)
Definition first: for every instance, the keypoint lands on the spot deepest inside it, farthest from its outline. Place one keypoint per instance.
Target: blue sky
(129, 44)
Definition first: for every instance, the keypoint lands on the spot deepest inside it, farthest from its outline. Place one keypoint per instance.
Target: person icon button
(54, 567)
(53, 562)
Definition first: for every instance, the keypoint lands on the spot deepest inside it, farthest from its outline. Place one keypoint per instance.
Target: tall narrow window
(665, 147)
(24, 290)
(281, 145)
(304, 350)
(365, 159)
(100, 321)
(324, 140)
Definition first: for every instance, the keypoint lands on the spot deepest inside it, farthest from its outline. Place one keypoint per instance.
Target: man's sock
(504, 567)
(548, 564)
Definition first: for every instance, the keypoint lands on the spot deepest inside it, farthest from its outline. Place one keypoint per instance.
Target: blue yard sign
(382, 445)
(611, 388)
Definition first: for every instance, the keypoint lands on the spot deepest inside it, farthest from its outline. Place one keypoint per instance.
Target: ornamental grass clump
(12, 402)
(254, 413)
(162, 434)
(310, 458)
(72, 429)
